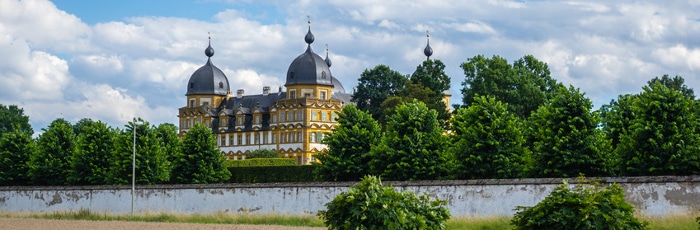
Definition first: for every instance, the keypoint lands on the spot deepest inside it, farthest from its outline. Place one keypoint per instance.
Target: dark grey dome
(337, 87)
(308, 68)
(208, 79)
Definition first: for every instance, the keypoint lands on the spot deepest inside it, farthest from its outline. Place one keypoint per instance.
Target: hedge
(262, 162)
(271, 174)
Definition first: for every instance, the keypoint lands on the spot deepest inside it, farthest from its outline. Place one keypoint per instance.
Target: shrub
(370, 205)
(258, 162)
(272, 174)
(263, 153)
(584, 207)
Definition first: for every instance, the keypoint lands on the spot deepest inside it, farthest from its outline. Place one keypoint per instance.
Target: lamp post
(133, 166)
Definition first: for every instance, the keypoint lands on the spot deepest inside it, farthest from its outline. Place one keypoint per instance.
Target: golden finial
(209, 33)
(427, 32)
(326, 48)
(308, 19)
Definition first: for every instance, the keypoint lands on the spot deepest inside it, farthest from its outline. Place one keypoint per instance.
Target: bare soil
(28, 223)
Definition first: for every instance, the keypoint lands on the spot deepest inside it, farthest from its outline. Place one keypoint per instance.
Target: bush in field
(369, 205)
(584, 207)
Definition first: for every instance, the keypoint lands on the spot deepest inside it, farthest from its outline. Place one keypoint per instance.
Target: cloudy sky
(115, 60)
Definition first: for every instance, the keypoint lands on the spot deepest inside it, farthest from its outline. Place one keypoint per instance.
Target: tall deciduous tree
(616, 117)
(170, 141)
(375, 86)
(16, 146)
(663, 137)
(677, 83)
(201, 161)
(51, 163)
(413, 146)
(347, 157)
(524, 86)
(487, 141)
(152, 165)
(12, 117)
(431, 75)
(93, 154)
(566, 138)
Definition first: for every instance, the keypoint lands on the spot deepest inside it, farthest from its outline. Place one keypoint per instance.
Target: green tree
(152, 165)
(170, 141)
(201, 161)
(413, 146)
(78, 126)
(347, 157)
(663, 136)
(50, 164)
(584, 207)
(565, 137)
(16, 146)
(524, 86)
(487, 141)
(263, 153)
(431, 75)
(677, 83)
(12, 117)
(370, 205)
(410, 92)
(92, 156)
(616, 117)
(375, 86)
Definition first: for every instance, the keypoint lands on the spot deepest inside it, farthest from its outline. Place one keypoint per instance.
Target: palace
(291, 122)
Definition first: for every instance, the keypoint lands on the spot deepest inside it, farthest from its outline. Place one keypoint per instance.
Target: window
(221, 85)
(334, 116)
(205, 103)
(292, 94)
(223, 140)
(247, 139)
(230, 140)
(274, 138)
(324, 116)
(257, 139)
(321, 136)
(314, 115)
(282, 136)
(281, 116)
(274, 118)
(312, 137)
(323, 75)
(264, 137)
(240, 120)
(257, 119)
(323, 95)
(299, 138)
(307, 95)
(240, 139)
(299, 116)
(207, 123)
(192, 103)
(290, 116)
(223, 121)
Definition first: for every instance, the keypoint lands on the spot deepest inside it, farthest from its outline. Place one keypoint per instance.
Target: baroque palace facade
(291, 122)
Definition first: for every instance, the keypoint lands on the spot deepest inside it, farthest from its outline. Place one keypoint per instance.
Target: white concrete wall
(654, 196)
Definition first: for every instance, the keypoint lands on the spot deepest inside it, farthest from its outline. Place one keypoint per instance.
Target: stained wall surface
(653, 196)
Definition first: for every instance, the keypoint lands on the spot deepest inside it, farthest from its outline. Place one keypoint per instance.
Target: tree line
(515, 121)
(92, 153)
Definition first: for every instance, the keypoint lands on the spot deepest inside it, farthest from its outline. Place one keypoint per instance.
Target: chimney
(280, 89)
(266, 90)
(239, 93)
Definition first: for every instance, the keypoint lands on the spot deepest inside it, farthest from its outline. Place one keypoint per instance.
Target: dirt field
(27, 224)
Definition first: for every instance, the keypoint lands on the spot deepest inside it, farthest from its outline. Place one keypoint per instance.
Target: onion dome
(328, 60)
(308, 68)
(208, 79)
(428, 51)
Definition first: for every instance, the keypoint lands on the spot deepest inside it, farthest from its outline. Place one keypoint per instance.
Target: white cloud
(679, 56)
(28, 74)
(472, 27)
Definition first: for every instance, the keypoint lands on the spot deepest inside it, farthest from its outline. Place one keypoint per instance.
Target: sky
(116, 60)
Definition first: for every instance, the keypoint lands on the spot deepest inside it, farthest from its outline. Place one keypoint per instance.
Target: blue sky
(115, 60)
